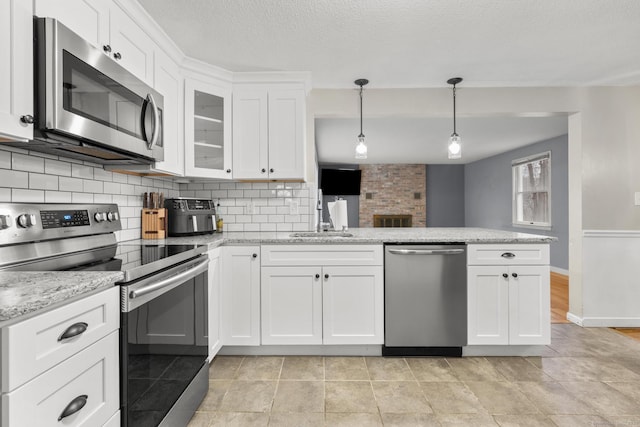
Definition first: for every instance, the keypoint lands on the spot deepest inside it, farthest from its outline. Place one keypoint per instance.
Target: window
(532, 191)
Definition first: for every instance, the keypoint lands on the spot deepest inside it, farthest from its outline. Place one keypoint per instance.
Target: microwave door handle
(156, 122)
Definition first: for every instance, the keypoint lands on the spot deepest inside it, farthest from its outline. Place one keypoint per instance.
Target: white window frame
(515, 167)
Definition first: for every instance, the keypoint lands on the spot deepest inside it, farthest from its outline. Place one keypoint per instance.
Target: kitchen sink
(321, 234)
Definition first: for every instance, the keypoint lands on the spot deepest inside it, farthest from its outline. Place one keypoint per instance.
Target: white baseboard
(610, 322)
(302, 350)
(574, 319)
(559, 270)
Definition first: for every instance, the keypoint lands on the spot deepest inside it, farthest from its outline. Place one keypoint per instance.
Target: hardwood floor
(559, 298)
(560, 305)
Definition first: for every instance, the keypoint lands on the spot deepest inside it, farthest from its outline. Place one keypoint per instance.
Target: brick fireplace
(393, 190)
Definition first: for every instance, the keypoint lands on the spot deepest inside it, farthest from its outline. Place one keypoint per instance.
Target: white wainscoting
(610, 279)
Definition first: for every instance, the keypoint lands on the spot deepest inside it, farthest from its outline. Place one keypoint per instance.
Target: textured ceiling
(414, 43)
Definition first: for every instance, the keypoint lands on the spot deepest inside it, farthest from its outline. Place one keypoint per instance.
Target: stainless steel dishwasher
(425, 297)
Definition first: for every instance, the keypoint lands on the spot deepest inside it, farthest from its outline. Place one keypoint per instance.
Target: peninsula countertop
(27, 293)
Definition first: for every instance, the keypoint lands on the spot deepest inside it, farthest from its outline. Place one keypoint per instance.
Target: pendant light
(361, 148)
(455, 142)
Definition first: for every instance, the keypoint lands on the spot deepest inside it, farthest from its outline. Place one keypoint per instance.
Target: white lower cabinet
(291, 305)
(240, 295)
(508, 304)
(310, 302)
(84, 386)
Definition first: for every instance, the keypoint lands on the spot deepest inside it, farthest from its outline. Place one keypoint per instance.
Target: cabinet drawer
(35, 345)
(521, 254)
(92, 372)
(310, 255)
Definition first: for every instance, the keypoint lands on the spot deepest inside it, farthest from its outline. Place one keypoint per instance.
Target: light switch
(637, 198)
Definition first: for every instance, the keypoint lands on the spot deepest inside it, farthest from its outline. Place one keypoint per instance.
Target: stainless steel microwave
(88, 106)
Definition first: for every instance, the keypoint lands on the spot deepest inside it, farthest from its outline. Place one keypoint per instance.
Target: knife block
(154, 223)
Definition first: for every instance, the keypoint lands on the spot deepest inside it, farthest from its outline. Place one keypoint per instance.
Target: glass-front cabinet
(207, 130)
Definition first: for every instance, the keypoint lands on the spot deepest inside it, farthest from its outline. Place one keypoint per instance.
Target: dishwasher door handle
(426, 251)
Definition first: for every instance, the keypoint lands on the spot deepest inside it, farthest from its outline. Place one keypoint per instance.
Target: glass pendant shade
(455, 146)
(361, 148)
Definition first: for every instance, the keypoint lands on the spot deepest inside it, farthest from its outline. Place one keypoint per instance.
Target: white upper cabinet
(105, 25)
(87, 18)
(16, 70)
(268, 132)
(168, 81)
(130, 45)
(207, 115)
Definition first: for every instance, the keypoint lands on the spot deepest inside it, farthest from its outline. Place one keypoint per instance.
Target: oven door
(91, 102)
(164, 346)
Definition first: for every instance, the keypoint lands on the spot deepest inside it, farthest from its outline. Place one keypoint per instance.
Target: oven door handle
(173, 280)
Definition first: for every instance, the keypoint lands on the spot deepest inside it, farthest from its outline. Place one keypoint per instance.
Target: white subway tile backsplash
(284, 226)
(236, 194)
(111, 187)
(134, 180)
(268, 210)
(129, 212)
(120, 200)
(81, 197)
(251, 193)
(211, 186)
(128, 189)
(23, 162)
(27, 196)
(227, 185)
(81, 171)
(14, 179)
(235, 210)
(265, 226)
(5, 194)
(56, 167)
(5, 160)
(102, 198)
(40, 181)
(217, 194)
(119, 177)
(187, 193)
(134, 200)
(276, 218)
(203, 194)
(70, 184)
(254, 226)
(267, 193)
(195, 186)
(57, 197)
(233, 227)
(102, 175)
(93, 186)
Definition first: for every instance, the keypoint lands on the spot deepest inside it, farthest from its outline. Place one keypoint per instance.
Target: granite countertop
(23, 293)
(368, 235)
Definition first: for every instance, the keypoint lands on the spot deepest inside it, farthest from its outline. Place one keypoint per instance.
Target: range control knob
(100, 216)
(27, 220)
(112, 216)
(5, 221)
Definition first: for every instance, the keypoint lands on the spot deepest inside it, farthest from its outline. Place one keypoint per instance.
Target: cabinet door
(130, 45)
(241, 295)
(488, 305)
(215, 342)
(353, 305)
(286, 134)
(87, 18)
(168, 82)
(207, 145)
(250, 134)
(16, 69)
(529, 305)
(291, 305)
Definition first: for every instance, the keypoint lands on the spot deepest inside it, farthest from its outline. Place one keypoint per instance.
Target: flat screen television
(340, 182)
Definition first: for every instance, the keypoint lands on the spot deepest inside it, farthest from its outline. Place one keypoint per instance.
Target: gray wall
(445, 196)
(488, 194)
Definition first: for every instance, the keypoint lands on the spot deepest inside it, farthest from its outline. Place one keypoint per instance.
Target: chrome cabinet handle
(508, 255)
(73, 331)
(156, 122)
(74, 406)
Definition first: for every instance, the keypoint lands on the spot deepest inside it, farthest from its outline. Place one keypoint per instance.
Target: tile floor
(587, 377)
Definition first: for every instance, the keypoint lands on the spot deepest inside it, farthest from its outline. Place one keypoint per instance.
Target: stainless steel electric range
(163, 330)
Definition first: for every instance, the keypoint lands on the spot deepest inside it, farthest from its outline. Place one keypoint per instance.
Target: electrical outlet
(293, 207)
(250, 209)
(637, 198)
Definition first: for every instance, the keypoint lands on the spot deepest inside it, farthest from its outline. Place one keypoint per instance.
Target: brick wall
(393, 190)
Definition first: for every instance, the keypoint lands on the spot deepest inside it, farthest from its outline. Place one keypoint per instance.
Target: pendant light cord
(454, 110)
(361, 135)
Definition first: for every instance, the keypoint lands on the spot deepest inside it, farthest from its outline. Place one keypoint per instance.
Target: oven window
(90, 94)
(164, 346)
